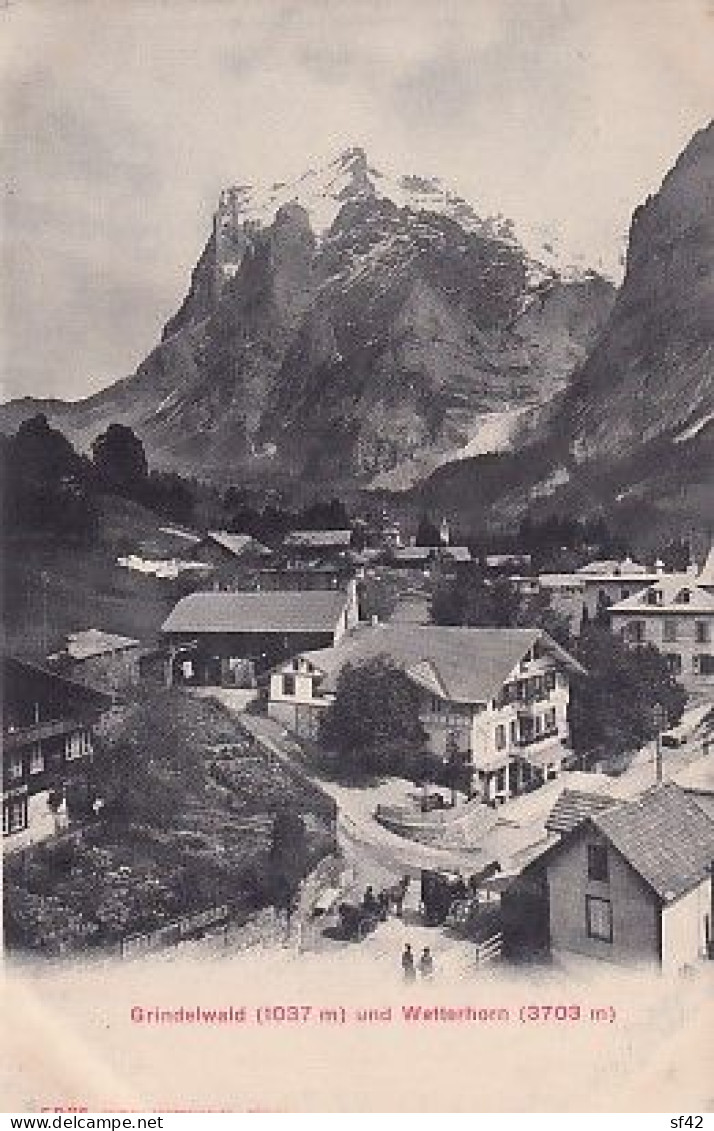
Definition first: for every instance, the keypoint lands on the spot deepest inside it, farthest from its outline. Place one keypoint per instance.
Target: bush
(612, 706)
(373, 723)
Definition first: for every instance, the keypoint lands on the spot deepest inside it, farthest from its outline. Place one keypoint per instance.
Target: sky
(123, 119)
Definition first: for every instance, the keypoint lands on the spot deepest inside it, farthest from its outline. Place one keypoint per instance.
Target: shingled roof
(303, 611)
(464, 665)
(573, 807)
(664, 835)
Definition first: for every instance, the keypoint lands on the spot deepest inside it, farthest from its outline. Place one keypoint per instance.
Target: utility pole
(44, 579)
(660, 721)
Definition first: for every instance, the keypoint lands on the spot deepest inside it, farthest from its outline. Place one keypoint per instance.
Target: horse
(394, 896)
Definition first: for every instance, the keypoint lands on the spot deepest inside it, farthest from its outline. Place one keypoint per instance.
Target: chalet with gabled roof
(633, 881)
(317, 546)
(101, 659)
(47, 746)
(231, 638)
(495, 699)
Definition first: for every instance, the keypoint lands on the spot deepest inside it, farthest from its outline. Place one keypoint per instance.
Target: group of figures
(409, 966)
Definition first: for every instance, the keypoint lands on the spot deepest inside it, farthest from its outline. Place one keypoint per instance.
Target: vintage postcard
(357, 571)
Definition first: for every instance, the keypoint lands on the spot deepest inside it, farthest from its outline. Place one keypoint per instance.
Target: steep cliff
(632, 432)
(652, 371)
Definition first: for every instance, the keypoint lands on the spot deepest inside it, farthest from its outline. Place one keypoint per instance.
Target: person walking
(426, 963)
(408, 967)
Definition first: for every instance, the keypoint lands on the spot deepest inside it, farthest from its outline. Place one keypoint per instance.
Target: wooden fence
(490, 949)
(172, 933)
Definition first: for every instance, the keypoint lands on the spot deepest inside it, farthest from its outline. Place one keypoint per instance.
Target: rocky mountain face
(634, 426)
(652, 371)
(350, 325)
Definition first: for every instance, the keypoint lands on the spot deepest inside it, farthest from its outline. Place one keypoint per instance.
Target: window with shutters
(598, 918)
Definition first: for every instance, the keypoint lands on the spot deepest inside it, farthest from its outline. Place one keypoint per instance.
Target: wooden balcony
(526, 740)
(20, 737)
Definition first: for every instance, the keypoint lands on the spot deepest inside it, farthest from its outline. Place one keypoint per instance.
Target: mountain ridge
(350, 339)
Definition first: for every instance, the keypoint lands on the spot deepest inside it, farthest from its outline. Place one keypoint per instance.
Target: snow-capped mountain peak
(323, 190)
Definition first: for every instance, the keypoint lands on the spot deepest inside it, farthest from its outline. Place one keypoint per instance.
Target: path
(360, 835)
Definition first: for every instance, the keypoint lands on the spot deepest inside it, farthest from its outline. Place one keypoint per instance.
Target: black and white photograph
(357, 555)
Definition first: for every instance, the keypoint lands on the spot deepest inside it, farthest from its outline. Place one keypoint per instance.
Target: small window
(701, 632)
(37, 759)
(635, 631)
(514, 732)
(14, 815)
(598, 918)
(500, 737)
(77, 745)
(14, 769)
(288, 685)
(598, 868)
(550, 680)
(683, 597)
(674, 662)
(669, 630)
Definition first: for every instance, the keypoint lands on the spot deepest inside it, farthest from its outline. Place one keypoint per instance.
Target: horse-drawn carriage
(358, 919)
(449, 898)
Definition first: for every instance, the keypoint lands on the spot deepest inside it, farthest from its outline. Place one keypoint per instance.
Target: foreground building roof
(466, 665)
(665, 835)
(298, 611)
(15, 669)
(575, 806)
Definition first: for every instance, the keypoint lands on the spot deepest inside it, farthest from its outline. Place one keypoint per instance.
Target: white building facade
(677, 616)
(496, 700)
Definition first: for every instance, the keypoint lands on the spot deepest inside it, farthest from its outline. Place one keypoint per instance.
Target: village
(312, 752)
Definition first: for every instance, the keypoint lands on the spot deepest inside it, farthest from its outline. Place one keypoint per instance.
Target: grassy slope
(208, 844)
(84, 587)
